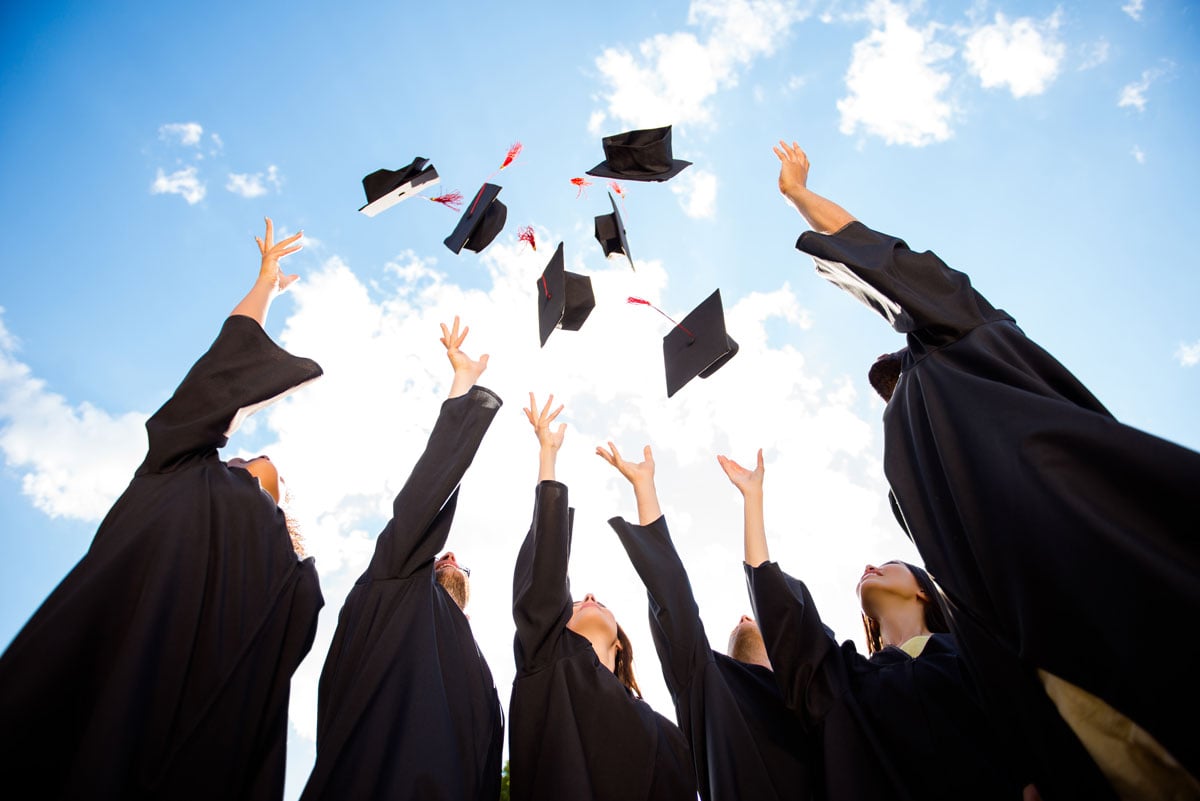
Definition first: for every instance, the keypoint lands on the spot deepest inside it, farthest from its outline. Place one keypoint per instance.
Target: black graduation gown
(576, 732)
(160, 667)
(1030, 504)
(407, 707)
(888, 727)
(745, 743)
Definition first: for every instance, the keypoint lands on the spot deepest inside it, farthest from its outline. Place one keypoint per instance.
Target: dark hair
(623, 664)
(937, 615)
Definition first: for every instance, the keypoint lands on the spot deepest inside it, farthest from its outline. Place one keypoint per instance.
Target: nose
(449, 557)
(590, 597)
(745, 619)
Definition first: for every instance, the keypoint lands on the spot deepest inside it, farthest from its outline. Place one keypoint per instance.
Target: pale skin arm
(466, 369)
(641, 476)
(271, 280)
(549, 440)
(750, 484)
(823, 215)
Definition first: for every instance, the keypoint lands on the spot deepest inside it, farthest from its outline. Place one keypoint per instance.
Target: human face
(261, 468)
(889, 579)
(454, 578)
(589, 615)
(746, 643)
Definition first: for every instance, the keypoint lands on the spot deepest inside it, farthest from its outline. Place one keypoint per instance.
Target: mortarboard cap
(483, 218)
(565, 299)
(610, 232)
(386, 188)
(643, 155)
(698, 345)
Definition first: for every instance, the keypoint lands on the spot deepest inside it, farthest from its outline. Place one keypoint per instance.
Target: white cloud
(1133, 95)
(185, 133)
(671, 77)
(697, 192)
(1095, 55)
(1134, 8)
(185, 182)
(895, 86)
(255, 185)
(73, 461)
(1138, 154)
(1188, 355)
(1024, 54)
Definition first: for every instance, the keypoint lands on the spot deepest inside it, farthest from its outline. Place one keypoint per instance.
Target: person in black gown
(903, 724)
(745, 743)
(407, 707)
(1025, 496)
(578, 728)
(160, 667)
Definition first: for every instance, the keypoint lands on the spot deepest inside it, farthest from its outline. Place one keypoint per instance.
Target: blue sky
(1047, 150)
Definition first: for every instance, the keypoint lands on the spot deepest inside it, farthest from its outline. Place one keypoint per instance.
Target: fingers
(462, 337)
(270, 237)
(606, 456)
(546, 408)
(548, 420)
(562, 429)
(647, 455)
(483, 362)
(616, 454)
(287, 280)
(760, 460)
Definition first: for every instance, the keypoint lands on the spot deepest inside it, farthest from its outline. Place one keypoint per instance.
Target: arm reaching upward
(550, 441)
(750, 484)
(641, 476)
(466, 369)
(823, 215)
(271, 280)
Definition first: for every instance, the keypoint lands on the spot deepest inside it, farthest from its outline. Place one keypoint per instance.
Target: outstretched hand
(636, 473)
(272, 252)
(466, 369)
(747, 481)
(793, 169)
(550, 440)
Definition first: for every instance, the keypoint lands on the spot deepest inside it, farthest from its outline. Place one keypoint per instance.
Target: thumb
(483, 362)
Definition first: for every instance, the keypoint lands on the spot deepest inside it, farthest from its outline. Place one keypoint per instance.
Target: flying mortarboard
(386, 188)
(698, 345)
(483, 219)
(610, 233)
(643, 155)
(565, 299)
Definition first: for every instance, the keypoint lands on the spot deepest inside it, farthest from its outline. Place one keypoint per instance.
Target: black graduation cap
(610, 233)
(565, 299)
(386, 188)
(484, 218)
(643, 155)
(698, 345)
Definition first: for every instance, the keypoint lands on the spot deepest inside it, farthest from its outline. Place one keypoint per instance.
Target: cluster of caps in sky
(698, 345)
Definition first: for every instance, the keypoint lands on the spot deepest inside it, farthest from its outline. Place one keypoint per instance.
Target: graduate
(1030, 503)
(904, 723)
(745, 743)
(407, 707)
(578, 728)
(160, 667)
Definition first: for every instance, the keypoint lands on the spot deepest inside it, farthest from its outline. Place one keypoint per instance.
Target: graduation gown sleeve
(541, 588)
(160, 667)
(744, 741)
(407, 706)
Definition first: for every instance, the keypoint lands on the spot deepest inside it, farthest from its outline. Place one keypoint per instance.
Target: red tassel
(616, 187)
(641, 302)
(513, 152)
(453, 200)
(580, 183)
(526, 235)
(545, 286)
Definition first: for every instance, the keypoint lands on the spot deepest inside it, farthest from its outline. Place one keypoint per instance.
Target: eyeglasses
(466, 570)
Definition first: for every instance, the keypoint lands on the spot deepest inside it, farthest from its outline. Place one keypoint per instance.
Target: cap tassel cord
(453, 200)
(526, 235)
(545, 287)
(641, 302)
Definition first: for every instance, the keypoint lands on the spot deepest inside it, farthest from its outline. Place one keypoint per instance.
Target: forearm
(823, 215)
(257, 301)
(755, 532)
(647, 502)
(463, 381)
(547, 458)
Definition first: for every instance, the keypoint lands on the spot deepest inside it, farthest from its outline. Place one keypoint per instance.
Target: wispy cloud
(897, 82)
(73, 460)
(1138, 154)
(696, 189)
(1188, 355)
(255, 185)
(183, 133)
(671, 77)
(1134, 8)
(1133, 95)
(1023, 55)
(1094, 54)
(186, 183)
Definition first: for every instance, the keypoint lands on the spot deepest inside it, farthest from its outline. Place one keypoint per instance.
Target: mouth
(868, 573)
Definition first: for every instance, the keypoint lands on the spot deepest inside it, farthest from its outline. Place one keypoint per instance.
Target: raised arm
(750, 484)
(423, 509)
(823, 215)
(541, 589)
(271, 281)
(675, 622)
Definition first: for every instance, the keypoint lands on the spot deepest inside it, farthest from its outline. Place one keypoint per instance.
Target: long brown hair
(936, 615)
(623, 664)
